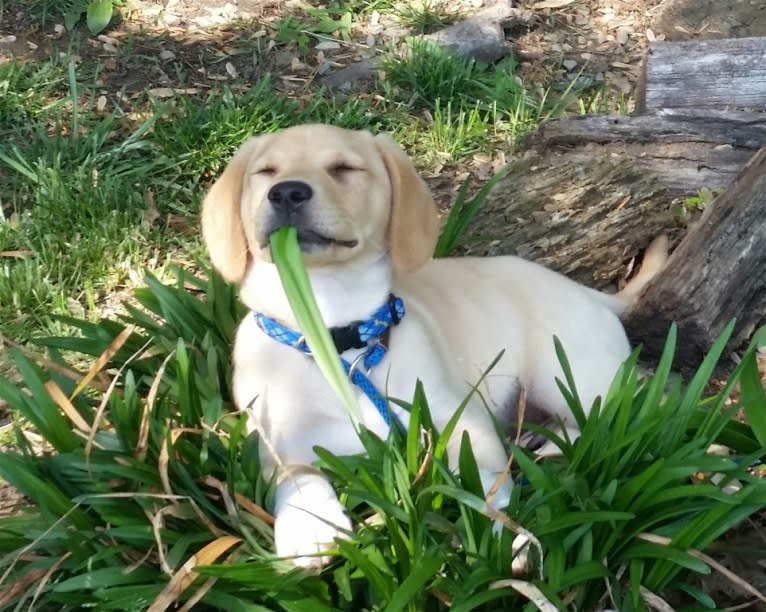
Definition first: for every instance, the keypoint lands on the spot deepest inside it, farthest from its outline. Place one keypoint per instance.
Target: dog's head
(348, 193)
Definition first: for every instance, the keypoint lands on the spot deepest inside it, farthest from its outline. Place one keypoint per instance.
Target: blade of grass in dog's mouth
(286, 254)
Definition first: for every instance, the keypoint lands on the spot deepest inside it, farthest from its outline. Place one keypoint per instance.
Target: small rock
(479, 37)
(569, 64)
(167, 55)
(350, 75)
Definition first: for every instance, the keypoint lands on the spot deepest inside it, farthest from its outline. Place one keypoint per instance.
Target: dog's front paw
(302, 534)
(308, 518)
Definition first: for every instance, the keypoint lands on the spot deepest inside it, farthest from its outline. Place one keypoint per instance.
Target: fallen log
(717, 273)
(687, 148)
(585, 218)
(593, 191)
(726, 73)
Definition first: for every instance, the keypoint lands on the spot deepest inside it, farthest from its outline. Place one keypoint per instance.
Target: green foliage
(464, 210)
(684, 211)
(71, 178)
(429, 73)
(287, 257)
(470, 106)
(425, 16)
(98, 13)
(318, 23)
(126, 495)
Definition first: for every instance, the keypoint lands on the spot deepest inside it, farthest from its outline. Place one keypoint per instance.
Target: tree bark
(593, 191)
(718, 272)
(583, 218)
(687, 149)
(728, 73)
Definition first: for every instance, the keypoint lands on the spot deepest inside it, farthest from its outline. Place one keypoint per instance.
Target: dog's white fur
(460, 314)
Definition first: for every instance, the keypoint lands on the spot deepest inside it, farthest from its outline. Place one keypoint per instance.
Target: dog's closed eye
(266, 171)
(340, 170)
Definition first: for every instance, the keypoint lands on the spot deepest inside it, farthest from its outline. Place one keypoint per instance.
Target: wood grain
(717, 273)
(720, 74)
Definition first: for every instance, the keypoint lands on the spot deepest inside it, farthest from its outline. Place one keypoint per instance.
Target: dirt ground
(186, 46)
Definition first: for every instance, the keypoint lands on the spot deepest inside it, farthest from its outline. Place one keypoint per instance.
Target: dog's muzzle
(290, 206)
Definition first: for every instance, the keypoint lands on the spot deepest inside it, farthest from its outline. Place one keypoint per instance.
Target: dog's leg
(308, 517)
(492, 460)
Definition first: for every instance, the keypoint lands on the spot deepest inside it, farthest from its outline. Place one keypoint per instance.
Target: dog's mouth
(309, 239)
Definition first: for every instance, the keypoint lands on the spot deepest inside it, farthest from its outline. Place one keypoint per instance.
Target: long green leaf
(414, 583)
(753, 394)
(286, 253)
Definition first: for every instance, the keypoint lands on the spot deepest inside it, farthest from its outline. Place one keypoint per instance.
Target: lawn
(140, 486)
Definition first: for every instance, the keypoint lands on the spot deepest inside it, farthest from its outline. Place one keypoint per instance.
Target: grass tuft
(145, 468)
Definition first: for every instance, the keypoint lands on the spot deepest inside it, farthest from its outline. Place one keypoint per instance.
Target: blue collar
(370, 334)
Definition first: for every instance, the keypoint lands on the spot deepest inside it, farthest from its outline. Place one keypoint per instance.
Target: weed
(98, 13)
(684, 211)
(471, 104)
(464, 210)
(425, 16)
(701, 199)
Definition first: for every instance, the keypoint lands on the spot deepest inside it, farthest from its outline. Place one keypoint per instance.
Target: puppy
(367, 226)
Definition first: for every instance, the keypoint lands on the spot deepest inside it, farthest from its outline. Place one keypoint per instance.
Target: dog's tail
(655, 256)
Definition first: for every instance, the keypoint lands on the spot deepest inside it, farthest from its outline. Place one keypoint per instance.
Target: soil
(187, 47)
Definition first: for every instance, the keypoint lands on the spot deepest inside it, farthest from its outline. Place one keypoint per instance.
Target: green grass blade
(413, 584)
(753, 395)
(286, 254)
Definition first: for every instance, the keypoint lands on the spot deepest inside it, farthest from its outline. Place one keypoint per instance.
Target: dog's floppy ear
(413, 228)
(221, 218)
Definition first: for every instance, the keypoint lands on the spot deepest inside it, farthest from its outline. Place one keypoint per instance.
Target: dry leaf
(108, 40)
(152, 212)
(143, 432)
(552, 4)
(724, 571)
(19, 586)
(62, 401)
(101, 103)
(185, 576)
(17, 253)
(162, 92)
(110, 351)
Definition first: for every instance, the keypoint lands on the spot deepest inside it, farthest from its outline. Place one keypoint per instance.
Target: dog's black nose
(290, 196)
